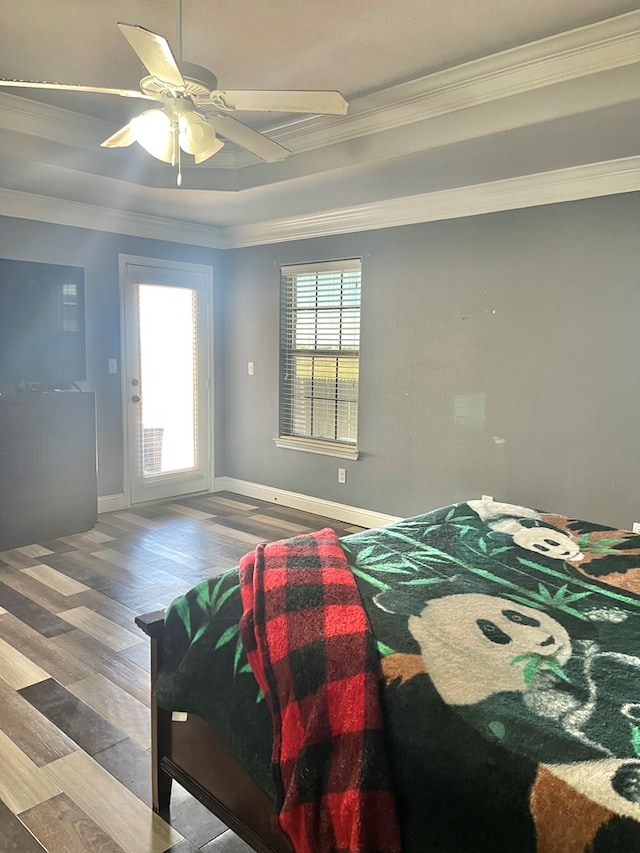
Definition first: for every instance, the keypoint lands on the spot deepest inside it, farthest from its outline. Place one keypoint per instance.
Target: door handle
(136, 399)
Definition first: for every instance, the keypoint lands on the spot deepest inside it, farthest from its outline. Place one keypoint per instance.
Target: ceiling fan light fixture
(152, 129)
(184, 89)
(197, 136)
(216, 146)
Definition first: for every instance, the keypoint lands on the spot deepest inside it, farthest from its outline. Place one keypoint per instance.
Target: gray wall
(98, 253)
(500, 355)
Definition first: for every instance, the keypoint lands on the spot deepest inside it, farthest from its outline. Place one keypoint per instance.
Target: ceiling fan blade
(256, 143)
(155, 53)
(120, 139)
(318, 103)
(75, 87)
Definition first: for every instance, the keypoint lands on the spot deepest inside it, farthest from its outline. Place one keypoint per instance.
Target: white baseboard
(111, 503)
(330, 509)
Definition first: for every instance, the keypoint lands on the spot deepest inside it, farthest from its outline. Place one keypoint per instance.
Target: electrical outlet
(636, 527)
(342, 475)
(250, 368)
(113, 365)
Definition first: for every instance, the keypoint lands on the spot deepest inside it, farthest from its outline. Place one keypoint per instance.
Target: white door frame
(176, 266)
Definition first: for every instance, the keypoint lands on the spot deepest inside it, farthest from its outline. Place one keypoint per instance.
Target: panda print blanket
(509, 641)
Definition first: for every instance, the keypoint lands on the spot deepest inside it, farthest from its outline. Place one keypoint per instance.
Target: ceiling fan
(194, 111)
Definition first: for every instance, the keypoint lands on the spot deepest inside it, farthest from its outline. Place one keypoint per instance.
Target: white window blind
(320, 350)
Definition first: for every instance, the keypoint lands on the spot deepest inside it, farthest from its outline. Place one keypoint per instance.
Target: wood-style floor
(74, 673)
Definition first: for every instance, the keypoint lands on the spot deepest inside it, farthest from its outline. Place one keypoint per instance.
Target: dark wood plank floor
(74, 672)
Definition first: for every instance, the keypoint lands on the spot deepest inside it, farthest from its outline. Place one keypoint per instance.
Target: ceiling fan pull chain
(179, 178)
(175, 148)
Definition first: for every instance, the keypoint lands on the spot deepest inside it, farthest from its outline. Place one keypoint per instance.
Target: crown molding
(34, 118)
(80, 215)
(577, 182)
(593, 180)
(580, 53)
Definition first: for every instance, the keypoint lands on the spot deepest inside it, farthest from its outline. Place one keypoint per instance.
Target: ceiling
(457, 107)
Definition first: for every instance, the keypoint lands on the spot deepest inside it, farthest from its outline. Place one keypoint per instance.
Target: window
(319, 357)
(70, 307)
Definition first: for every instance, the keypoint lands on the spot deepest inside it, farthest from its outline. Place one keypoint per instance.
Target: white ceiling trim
(578, 53)
(578, 182)
(80, 215)
(32, 118)
(600, 47)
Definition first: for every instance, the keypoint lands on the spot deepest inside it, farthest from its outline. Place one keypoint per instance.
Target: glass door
(166, 319)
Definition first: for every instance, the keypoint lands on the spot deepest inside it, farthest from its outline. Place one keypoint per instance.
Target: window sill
(324, 448)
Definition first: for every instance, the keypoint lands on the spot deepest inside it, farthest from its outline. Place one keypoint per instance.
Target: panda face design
(471, 642)
(547, 541)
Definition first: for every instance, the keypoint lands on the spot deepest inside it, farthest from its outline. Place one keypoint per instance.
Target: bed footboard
(191, 752)
(153, 624)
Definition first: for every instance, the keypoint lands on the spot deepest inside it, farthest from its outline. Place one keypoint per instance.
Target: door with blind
(167, 364)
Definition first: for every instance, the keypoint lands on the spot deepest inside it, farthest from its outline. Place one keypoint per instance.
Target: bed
(501, 652)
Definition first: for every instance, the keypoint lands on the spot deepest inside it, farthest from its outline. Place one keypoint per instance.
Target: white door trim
(178, 266)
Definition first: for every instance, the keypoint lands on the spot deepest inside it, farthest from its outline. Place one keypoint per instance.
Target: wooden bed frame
(193, 754)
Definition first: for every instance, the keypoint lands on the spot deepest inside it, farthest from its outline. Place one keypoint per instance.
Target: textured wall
(500, 355)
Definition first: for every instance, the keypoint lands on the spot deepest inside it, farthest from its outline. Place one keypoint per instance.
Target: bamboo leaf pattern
(387, 568)
(365, 553)
(225, 596)
(370, 579)
(196, 609)
(227, 636)
(383, 649)
(387, 558)
(534, 662)
(577, 581)
(181, 607)
(204, 597)
(200, 632)
(602, 546)
(555, 667)
(237, 655)
(530, 669)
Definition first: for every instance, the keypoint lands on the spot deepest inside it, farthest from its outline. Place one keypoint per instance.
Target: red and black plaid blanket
(310, 646)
